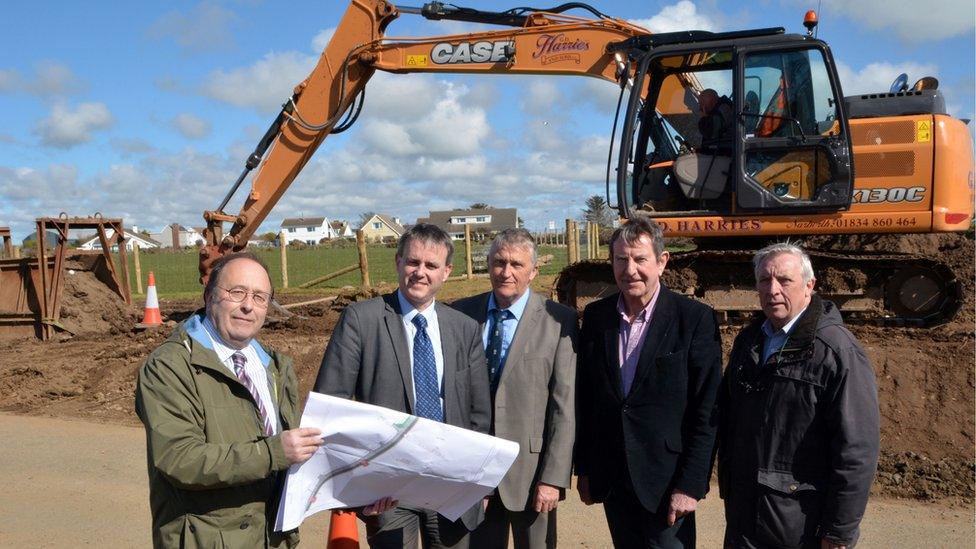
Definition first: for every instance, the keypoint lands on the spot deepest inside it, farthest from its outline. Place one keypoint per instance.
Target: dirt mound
(88, 306)
(353, 294)
(913, 475)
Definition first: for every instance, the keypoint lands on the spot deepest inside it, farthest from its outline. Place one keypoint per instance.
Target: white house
(310, 230)
(132, 239)
(341, 229)
(186, 237)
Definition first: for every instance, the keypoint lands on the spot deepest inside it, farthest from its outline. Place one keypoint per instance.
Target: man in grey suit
(531, 356)
(406, 352)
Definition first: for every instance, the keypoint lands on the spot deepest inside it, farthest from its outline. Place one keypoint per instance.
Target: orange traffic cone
(343, 533)
(151, 316)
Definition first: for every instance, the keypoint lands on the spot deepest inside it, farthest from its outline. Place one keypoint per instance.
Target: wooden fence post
(467, 251)
(569, 246)
(138, 266)
(16, 252)
(595, 239)
(283, 248)
(363, 260)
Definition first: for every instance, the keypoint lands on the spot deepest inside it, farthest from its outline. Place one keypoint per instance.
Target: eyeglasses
(238, 295)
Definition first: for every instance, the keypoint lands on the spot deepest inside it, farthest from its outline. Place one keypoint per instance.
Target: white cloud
(877, 77)
(35, 192)
(65, 128)
(421, 116)
(321, 40)
(190, 126)
(52, 78)
(912, 21)
(264, 85)
(206, 27)
(677, 17)
(49, 79)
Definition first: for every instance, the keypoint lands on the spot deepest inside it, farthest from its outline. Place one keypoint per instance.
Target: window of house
(377, 225)
(291, 229)
(310, 229)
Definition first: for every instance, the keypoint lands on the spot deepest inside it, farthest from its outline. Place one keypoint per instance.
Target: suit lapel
(449, 348)
(531, 317)
(611, 343)
(661, 320)
(398, 338)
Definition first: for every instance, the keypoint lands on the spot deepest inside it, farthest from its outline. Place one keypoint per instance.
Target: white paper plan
(372, 452)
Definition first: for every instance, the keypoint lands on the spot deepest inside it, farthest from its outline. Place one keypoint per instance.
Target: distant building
(310, 230)
(178, 236)
(132, 240)
(382, 227)
(482, 221)
(341, 229)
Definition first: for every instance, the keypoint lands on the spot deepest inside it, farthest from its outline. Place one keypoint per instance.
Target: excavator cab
(784, 147)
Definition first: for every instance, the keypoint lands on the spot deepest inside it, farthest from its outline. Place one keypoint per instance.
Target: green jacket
(214, 477)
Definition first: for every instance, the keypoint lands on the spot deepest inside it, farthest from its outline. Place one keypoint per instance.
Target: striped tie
(239, 361)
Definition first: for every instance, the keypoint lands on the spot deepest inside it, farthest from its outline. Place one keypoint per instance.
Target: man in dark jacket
(798, 435)
(649, 367)
(220, 412)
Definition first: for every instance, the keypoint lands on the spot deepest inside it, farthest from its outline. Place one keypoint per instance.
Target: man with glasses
(220, 410)
(798, 417)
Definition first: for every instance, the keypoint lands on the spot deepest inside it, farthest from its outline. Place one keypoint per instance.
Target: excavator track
(889, 289)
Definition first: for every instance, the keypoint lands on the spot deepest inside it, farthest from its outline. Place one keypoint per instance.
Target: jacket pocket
(218, 532)
(673, 445)
(788, 511)
(535, 445)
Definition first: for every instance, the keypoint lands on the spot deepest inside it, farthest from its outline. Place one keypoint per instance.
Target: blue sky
(147, 111)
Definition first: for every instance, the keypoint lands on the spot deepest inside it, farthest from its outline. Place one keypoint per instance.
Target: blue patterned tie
(493, 353)
(425, 373)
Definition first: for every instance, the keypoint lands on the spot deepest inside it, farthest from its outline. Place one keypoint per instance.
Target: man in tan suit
(531, 358)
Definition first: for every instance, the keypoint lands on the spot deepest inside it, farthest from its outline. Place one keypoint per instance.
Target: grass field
(176, 272)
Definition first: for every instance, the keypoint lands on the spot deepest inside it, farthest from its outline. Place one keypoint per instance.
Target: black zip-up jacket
(799, 435)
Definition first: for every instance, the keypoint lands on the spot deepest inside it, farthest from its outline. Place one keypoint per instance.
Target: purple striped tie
(239, 361)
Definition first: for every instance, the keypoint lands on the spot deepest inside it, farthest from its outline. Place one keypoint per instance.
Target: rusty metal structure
(31, 287)
(8, 245)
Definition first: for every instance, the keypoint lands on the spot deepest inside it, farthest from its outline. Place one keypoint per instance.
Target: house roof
(128, 235)
(302, 221)
(338, 224)
(391, 223)
(501, 218)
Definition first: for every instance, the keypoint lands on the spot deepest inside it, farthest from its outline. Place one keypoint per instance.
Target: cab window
(788, 94)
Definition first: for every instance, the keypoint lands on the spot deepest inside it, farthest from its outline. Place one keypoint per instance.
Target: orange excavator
(784, 165)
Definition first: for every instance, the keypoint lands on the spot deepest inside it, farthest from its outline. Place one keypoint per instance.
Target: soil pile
(88, 306)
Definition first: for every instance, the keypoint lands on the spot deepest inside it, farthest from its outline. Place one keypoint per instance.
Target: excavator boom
(329, 99)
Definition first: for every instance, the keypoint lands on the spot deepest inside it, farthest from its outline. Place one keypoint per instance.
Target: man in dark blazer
(648, 371)
(406, 352)
(530, 346)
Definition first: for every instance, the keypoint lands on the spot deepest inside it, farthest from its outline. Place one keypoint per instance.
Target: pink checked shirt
(632, 338)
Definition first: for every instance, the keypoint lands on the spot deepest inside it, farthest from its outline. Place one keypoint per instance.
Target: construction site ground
(88, 473)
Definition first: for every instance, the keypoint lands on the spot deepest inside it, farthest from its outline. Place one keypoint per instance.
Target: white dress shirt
(257, 371)
(407, 312)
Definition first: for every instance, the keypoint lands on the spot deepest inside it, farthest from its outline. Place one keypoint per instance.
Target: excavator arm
(329, 99)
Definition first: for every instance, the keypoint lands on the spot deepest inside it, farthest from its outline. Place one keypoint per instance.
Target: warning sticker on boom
(417, 60)
(923, 131)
